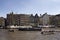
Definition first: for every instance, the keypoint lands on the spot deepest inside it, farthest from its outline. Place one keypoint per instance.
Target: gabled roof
(43, 15)
(58, 15)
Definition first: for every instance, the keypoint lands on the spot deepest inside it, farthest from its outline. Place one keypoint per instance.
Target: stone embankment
(51, 29)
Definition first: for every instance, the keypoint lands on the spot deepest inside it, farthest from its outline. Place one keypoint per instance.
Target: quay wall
(50, 29)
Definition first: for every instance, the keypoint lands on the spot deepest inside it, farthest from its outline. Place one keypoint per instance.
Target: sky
(52, 7)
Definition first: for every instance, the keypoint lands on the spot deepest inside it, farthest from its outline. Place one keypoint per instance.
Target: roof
(58, 15)
(43, 15)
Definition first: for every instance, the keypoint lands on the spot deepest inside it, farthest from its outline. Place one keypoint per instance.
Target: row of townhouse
(29, 19)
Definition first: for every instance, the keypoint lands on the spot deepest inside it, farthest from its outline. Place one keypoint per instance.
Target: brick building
(17, 19)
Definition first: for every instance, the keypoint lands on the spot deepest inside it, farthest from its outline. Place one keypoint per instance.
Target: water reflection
(27, 35)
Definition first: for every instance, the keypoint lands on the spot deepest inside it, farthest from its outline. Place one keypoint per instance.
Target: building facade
(45, 19)
(2, 22)
(18, 19)
(24, 19)
(30, 20)
(57, 20)
(36, 20)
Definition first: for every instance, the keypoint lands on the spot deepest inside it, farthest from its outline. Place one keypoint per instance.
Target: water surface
(27, 35)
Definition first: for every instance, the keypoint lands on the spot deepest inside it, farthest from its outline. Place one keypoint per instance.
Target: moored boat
(11, 30)
(29, 29)
(47, 32)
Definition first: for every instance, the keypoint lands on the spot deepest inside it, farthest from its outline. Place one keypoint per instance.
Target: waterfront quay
(51, 29)
(27, 35)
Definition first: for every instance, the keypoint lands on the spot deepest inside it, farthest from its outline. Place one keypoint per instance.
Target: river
(27, 35)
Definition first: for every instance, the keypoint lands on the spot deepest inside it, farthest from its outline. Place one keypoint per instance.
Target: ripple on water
(27, 35)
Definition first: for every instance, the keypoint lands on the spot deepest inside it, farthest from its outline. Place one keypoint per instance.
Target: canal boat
(47, 32)
(29, 29)
(11, 30)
